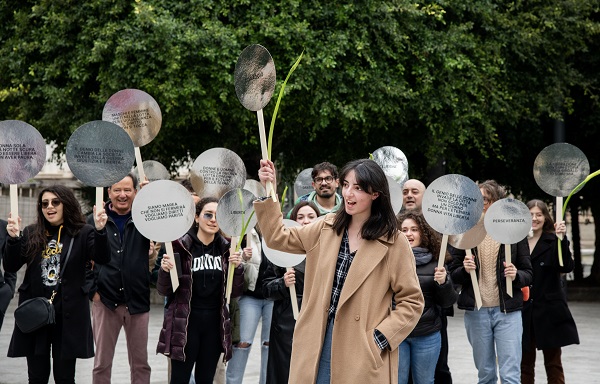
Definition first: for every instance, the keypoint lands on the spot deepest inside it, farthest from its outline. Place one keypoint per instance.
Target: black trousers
(38, 366)
(203, 348)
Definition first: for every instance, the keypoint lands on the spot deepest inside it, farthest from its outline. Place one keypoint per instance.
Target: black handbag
(38, 312)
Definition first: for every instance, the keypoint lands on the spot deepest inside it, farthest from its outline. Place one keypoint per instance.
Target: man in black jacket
(7, 280)
(121, 297)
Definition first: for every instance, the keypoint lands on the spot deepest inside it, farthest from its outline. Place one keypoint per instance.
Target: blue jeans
(324, 372)
(419, 355)
(251, 310)
(491, 331)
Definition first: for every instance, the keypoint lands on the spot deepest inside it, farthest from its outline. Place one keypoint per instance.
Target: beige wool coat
(381, 269)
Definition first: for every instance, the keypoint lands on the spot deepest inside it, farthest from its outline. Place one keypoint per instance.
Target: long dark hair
(430, 238)
(73, 219)
(370, 177)
(548, 221)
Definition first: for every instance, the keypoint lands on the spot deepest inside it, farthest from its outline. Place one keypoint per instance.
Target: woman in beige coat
(356, 263)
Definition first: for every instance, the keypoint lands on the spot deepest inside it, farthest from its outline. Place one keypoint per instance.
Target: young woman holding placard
(547, 322)
(356, 262)
(495, 330)
(197, 326)
(56, 249)
(276, 283)
(419, 352)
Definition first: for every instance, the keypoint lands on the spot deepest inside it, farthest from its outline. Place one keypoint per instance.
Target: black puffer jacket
(173, 335)
(520, 258)
(436, 297)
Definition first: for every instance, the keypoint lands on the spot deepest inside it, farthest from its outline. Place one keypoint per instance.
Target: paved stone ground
(581, 362)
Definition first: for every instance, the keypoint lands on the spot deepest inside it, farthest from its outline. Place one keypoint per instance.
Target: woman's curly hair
(430, 239)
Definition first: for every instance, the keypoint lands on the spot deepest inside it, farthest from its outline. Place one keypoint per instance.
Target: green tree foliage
(472, 84)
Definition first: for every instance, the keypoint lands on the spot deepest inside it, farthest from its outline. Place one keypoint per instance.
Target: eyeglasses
(55, 203)
(208, 216)
(319, 180)
(486, 200)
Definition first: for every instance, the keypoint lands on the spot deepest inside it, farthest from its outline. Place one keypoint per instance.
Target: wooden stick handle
(14, 202)
(99, 198)
(443, 248)
(264, 149)
(293, 297)
(140, 165)
(475, 283)
(559, 215)
(507, 258)
(230, 270)
(173, 271)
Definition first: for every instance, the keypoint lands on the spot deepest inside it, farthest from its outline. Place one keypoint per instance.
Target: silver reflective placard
(470, 239)
(100, 153)
(559, 168)
(217, 171)
(395, 194)
(254, 77)
(452, 204)
(508, 221)
(163, 210)
(137, 112)
(280, 258)
(393, 162)
(303, 183)
(153, 170)
(255, 187)
(22, 151)
(235, 210)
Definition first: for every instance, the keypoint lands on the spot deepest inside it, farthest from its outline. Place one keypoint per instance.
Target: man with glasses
(121, 297)
(325, 182)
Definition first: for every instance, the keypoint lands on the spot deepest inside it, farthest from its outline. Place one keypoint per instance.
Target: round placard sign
(22, 152)
(452, 204)
(559, 168)
(255, 187)
(283, 259)
(163, 211)
(508, 221)
(395, 194)
(393, 162)
(100, 153)
(470, 239)
(254, 77)
(137, 112)
(303, 183)
(216, 171)
(235, 210)
(154, 170)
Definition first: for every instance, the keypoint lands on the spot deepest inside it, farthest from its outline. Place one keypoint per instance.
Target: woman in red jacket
(197, 326)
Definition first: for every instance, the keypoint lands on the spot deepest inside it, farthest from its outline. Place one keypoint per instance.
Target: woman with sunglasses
(276, 287)
(59, 233)
(356, 262)
(197, 326)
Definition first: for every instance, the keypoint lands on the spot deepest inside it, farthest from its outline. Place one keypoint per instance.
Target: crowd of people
(373, 298)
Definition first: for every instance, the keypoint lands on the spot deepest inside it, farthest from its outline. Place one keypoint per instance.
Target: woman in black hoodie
(197, 326)
(419, 352)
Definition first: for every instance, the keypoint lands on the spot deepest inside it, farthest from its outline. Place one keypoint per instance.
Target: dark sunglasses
(55, 203)
(208, 216)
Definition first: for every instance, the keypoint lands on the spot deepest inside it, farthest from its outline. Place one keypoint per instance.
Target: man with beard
(325, 182)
